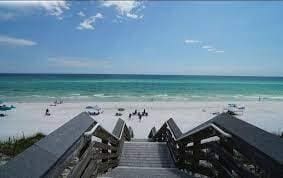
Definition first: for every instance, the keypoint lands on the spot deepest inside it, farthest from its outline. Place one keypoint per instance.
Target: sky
(142, 37)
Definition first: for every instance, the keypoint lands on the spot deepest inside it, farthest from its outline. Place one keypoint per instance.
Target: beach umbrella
(5, 108)
(97, 108)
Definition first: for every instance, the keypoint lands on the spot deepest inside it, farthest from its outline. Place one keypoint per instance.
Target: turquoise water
(47, 87)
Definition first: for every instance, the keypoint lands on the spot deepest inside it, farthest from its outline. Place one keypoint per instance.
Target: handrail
(210, 125)
(79, 148)
(187, 149)
(89, 133)
(49, 156)
(103, 154)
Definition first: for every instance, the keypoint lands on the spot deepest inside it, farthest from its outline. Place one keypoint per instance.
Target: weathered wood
(104, 146)
(102, 167)
(174, 128)
(230, 163)
(70, 151)
(117, 131)
(48, 157)
(105, 156)
(152, 133)
(104, 135)
(132, 172)
(255, 145)
(82, 164)
(90, 169)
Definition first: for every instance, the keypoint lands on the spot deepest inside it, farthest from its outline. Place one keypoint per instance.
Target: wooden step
(146, 154)
(145, 160)
(145, 172)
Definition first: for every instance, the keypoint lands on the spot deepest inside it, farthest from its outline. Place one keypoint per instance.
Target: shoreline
(28, 118)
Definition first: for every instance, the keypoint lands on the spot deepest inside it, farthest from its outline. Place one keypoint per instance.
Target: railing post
(196, 153)
(181, 153)
(227, 144)
(105, 150)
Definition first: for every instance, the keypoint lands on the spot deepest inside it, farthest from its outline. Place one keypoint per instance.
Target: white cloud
(126, 8)
(207, 47)
(87, 24)
(71, 62)
(134, 16)
(211, 49)
(6, 40)
(54, 7)
(82, 14)
(192, 41)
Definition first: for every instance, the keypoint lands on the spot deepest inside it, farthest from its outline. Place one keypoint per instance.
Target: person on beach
(47, 112)
(140, 116)
(130, 115)
(134, 113)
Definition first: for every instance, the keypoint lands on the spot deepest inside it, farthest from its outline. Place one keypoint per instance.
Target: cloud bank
(7, 40)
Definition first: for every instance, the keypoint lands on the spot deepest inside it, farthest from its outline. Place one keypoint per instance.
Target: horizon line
(34, 73)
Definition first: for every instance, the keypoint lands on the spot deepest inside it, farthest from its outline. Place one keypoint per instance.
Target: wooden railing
(79, 148)
(101, 151)
(223, 147)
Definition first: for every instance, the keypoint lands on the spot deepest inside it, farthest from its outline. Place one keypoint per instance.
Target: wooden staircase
(144, 159)
(222, 147)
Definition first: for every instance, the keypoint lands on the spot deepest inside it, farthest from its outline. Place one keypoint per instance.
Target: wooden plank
(105, 156)
(263, 141)
(49, 156)
(104, 135)
(104, 146)
(106, 165)
(174, 128)
(83, 162)
(90, 171)
(152, 133)
(117, 131)
(230, 162)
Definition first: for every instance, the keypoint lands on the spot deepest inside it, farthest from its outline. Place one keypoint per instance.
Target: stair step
(139, 140)
(146, 172)
(145, 160)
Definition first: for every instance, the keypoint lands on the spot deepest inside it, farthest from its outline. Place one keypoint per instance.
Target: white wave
(75, 94)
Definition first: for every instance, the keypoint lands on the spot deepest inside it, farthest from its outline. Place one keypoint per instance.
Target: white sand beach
(29, 118)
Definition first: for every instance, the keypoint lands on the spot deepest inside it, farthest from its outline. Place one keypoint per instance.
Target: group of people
(47, 112)
(94, 113)
(57, 102)
(139, 114)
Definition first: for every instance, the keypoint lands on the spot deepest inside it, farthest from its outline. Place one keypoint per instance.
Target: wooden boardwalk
(221, 147)
(142, 159)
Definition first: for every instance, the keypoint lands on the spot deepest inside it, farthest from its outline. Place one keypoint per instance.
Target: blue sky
(201, 38)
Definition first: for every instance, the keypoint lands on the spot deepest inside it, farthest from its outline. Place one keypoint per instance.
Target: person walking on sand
(143, 113)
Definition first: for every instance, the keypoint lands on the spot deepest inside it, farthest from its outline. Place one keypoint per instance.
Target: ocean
(101, 87)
